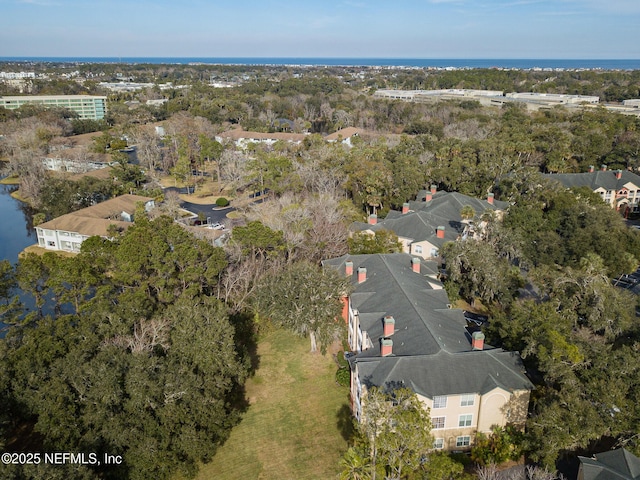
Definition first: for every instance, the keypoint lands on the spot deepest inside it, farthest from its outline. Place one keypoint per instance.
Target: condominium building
(402, 331)
(619, 188)
(88, 107)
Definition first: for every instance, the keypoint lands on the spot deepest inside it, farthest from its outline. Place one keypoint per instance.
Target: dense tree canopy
(144, 366)
(306, 299)
(139, 358)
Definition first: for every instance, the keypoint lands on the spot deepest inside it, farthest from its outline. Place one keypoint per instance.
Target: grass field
(294, 426)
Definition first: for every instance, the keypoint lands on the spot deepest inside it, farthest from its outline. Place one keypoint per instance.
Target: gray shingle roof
(455, 200)
(599, 179)
(448, 373)
(424, 323)
(423, 219)
(431, 350)
(617, 464)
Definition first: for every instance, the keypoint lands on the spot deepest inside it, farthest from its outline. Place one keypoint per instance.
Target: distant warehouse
(88, 107)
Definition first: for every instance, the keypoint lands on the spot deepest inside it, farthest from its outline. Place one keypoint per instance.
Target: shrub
(222, 202)
(503, 444)
(343, 377)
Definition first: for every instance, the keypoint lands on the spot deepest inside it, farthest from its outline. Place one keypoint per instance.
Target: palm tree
(467, 213)
(355, 465)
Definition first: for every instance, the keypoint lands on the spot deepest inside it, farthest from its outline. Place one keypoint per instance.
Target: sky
(554, 29)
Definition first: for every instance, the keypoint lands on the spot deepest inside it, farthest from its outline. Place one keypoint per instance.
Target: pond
(16, 229)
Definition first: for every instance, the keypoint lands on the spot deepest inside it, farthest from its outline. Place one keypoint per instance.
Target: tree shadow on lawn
(247, 347)
(345, 422)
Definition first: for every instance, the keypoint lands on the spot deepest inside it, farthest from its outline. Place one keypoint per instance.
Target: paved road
(208, 211)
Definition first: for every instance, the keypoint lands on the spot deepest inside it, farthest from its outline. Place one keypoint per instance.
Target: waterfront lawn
(14, 180)
(293, 426)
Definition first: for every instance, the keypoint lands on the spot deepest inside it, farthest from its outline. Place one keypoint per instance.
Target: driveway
(214, 216)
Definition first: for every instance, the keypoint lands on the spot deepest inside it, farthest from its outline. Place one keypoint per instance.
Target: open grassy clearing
(293, 428)
(10, 181)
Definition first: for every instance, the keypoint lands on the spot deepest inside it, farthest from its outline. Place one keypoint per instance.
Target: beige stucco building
(619, 188)
(402, 332)
(67, 232)
(434, 218)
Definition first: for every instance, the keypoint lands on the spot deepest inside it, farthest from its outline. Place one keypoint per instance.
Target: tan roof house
(67, 232)
(242, 138)
(344, 135)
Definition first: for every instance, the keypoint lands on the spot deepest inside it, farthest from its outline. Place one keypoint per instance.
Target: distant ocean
(516, 63)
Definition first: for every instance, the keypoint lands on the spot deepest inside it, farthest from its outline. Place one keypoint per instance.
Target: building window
(417, 249)
(465, 420)
(440, 401)
(438, 443)
(437, 422)
(467, 400)
(463, 441)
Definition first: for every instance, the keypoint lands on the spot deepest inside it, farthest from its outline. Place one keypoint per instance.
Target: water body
(16, 231)
(16, 227)
(461, 63)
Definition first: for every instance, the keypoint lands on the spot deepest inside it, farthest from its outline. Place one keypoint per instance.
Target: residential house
(344, 135)
(67, 232)
(73, 154)
(619, 188)
(242, 138)
(617, 464)
(435, 218)
(402, 332)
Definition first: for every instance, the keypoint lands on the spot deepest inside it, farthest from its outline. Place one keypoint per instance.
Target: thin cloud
(40, 3)
(560, 13)
(615, 7)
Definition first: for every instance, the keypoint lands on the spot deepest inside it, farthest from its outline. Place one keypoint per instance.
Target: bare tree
(170, 206)
(314, 226)
(233, 169)
(148, 148)
(342, 119)
(147, 335)
(487, 472)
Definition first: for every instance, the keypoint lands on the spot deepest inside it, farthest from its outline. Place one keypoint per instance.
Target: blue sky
(342, 28)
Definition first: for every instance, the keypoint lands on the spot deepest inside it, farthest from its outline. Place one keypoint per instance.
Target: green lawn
(293, 428)
(10, 181)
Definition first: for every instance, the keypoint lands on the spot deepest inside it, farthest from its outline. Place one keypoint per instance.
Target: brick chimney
(618, 174)
(345, 309)
(592, 169)
(434, 189)
(477, 341)
(490, 199)
(603, 167)
(348, 268)
(362, 274)
(415, 264)
(440, 232)
(386, 347)
(373, 219)
(428, 197)
(405, 208)
(389, 325)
